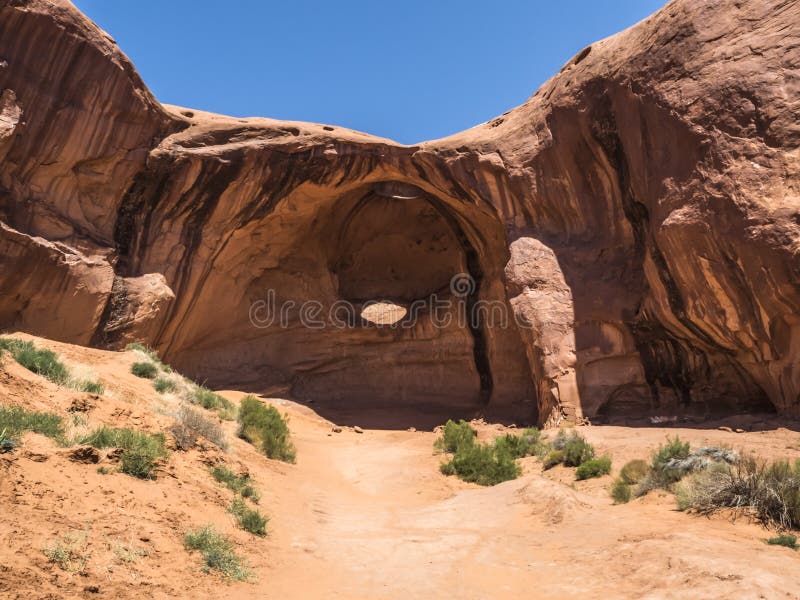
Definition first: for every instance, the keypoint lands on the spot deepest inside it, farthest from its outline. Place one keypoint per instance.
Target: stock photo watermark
(459, 307)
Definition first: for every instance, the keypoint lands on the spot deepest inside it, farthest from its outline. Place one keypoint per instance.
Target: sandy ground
(363, 515)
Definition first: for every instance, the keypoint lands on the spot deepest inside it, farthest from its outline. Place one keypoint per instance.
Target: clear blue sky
(410, 70)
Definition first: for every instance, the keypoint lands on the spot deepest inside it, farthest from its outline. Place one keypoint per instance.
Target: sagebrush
(218, 553)
(265, 428)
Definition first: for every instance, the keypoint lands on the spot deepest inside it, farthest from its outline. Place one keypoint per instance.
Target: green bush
(213, 401)
(553, 458)
(238, 484)
(481, 464)
(248, 518)
(673, 450)
(40, 361)
(164, 385)
(785, 539)
(140, 451)
(92, 387)
(634, 471)
(218, 553)
(15, 421)
(454, 436)
(529, 443)
(263, 426)
(146, 370)
(577, 451)
(594, 467)
(620, 491)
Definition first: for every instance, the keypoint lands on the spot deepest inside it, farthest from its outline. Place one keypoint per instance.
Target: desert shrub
(249, 519)
(68, 552)
(675, 459)
(47, 364)
(138, 347)
(553, 458)
(15, 421)
(40, 361)
(238, 484)
(454, 436)
(191, 424)
(92, 387)
(784, 539)
(620, 491)
(634, 471)
(594, 467)
(164, 385)
(481, 464)
(146, 370)
(667, 456)
(7, 444)
(218, 553)
(263, 426)
(213, 401)
(577, 450)
(529, 443)
(140, 451)
(770, 492)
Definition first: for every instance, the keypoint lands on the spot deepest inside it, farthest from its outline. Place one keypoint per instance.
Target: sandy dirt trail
(369, 516)
(365, 515)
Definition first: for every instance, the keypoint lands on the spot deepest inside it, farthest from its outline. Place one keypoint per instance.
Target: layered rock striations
(628, 237)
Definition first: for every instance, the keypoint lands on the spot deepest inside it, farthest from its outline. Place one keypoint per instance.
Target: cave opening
(414, 355)
(395, 255)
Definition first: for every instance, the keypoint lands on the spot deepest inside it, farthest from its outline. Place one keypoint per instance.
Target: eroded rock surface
(638, 219)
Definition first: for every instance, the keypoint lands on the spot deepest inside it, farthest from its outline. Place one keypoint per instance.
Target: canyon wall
(628, 239)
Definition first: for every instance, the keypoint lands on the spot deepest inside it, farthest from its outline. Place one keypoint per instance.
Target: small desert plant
(218, 553)
(191, 423)
(138, 347)
(140, 451)
(675, 459)
(481, 464)
(6, 443)
(553, 458)
(15, 421)
(594, 467)
(529, 443)
(263, 426)
(68, 552)
(40, 361)
(238, 484)
(249, 519)
(126, 553)
(92, 387)
(164, 385)
(455, 436)
(770, 492)
(213, 401)
(634, 471)
(664, 459)
(577, 450)
(784, 539)
(620, 491)
(146, 370)
(47, 364)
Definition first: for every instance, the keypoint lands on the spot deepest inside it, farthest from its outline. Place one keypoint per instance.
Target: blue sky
(409, 70)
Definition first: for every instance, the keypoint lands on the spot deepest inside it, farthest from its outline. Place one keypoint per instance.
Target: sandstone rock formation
(639, 217)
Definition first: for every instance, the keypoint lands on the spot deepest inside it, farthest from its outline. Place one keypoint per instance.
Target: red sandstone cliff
(641, 212)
